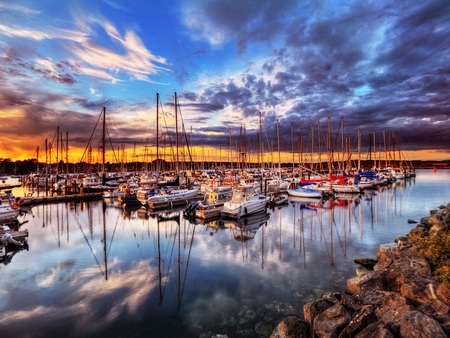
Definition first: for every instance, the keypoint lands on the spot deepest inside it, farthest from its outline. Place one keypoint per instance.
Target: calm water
(95, 270)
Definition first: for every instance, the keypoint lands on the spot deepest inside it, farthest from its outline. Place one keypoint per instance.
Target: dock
(65, 198)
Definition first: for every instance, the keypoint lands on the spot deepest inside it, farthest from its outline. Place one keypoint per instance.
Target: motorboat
(212, 205)
(174, 197)
(279, 199)
(244, 202)
(305, 192)
(9, 209)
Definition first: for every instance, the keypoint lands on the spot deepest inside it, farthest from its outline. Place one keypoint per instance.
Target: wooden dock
(65, 198)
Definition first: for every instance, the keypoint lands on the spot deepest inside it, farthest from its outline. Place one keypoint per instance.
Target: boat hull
(237, 210)
(304, 192)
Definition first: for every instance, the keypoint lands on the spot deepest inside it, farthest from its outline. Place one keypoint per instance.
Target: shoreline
(395, 295)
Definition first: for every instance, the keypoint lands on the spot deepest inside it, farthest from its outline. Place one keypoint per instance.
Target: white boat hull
(249, 207)
(303, 192)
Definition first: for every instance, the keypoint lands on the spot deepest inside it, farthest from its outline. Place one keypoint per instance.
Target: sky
(319, 68)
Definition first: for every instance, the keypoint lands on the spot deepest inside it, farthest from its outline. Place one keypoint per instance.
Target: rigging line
(186, 270)
(338, 235)
(90, 139)
(89, 245)
(170, 261)
(114, 231)
(136, 240)
(325, 241)
(184, 131)
(112, 147)
(167, 130)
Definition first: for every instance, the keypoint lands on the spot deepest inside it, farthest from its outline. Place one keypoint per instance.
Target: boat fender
(245, 210)
(29, 194)
(15, 205)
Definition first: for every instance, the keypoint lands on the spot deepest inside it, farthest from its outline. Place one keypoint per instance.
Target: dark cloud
(376, 66)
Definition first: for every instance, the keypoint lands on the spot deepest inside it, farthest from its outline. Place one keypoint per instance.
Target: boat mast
(261, 145)
(279, 153)
(67, 152)
(329, 145)
(319, 147)
(292, 146)
(157, 133)
(359, 149)
(342, 144)
(374, 150)
(103, 139)
(176, 131)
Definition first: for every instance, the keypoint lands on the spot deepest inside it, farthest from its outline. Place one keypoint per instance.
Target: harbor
(168, 275)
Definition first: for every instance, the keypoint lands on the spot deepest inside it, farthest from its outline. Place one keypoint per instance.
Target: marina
(142, 272)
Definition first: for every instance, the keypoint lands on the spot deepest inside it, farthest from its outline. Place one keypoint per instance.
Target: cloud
(15, 31)
(133, 58)
(18, 8)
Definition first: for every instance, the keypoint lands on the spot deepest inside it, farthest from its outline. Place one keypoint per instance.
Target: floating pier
(65, 198)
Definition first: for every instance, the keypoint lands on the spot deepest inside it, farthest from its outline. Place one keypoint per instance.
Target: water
(95, 270)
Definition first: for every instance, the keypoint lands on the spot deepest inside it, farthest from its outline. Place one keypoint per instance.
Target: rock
(418, 325)
(439, 311)
(394, 300)
(362, 319)
(426, 221)
(368, 280)
(393, 317)
(392, 310)
(417, 233)
(365, 298)
(368, 263)
(418, 290)
(443, 292)
(375, 330)
(387, 251)
(331, 322)
(383, 264)
(436, 230)
(410, 265)
(401, 239)
(314, 308)
(291, 327)
(411, 221)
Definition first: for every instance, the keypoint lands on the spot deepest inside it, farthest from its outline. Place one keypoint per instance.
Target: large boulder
(291, 327)
(409, 264)
(367, 280)
(375, 330)
(362, 319)
(331, 322)
(418, 325)
(316, 307)
(387, 251)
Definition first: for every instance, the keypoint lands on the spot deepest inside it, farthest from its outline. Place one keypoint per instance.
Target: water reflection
(100, 270)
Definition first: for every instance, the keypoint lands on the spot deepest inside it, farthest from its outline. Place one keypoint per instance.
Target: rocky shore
(395, 295)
